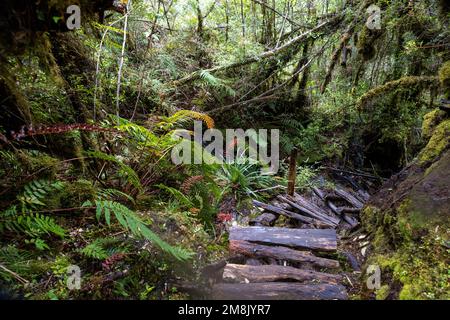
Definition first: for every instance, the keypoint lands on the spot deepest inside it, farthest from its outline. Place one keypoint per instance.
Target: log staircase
(291, 262)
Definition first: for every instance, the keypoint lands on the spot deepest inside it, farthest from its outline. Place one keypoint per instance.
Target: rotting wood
(325, 219)
(314, 208)
(291, 214)
(278, 291)
(238, 273)
(313, 239)
(349, 198)
(250, 249)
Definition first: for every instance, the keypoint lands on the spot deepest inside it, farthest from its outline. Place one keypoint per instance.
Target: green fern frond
(131, 222)
(34, 225)
(26, 222)
(178, 195)
(216, 83)
(36, 191)
(131, 175)
(102, 248)
(113, 194)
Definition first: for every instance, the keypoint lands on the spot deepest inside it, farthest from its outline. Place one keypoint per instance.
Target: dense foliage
(105, 195)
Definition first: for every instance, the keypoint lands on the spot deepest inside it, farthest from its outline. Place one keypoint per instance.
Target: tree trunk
(292, 173)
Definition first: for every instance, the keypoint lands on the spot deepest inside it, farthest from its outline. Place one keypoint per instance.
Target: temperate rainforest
(224, 150)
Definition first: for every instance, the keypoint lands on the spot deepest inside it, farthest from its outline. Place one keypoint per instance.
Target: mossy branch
(423, 81)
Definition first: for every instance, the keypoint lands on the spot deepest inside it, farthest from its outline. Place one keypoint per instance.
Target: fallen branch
(325, 219)
(15, 275)
(292, 215)
(195, 75)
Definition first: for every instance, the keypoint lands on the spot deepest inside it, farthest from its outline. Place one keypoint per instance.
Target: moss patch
(430, 121)
(437, 144)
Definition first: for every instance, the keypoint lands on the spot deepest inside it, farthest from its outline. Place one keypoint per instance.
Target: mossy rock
(438, 143)
(430, 121)
(409, 222)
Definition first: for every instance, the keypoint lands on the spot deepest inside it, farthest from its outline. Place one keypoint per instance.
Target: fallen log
(313, 239)
(280, 253)
(349, 210)
(238, 273)
(326, 220)
(349, 198)
(350, 220)
(291, 214)
(330, 204)
(278, 291)
(315, 208)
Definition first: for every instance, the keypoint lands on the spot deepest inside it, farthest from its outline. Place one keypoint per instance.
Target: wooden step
(255, 250)
(313, 239)
(278, 291)
(293, 215)
(239, 273)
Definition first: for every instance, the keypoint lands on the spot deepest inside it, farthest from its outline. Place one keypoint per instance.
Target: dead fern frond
(187, 185)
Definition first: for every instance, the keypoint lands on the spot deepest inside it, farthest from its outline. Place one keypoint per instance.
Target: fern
(113, 194)
(182, 199)
(131, 222)
(33, 225)
(36, 191)
(184, 115)
(216, 83)
(132, 176)
(102, 248)
(16, 260)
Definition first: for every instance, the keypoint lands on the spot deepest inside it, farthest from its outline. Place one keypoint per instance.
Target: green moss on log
(438, 143)
(430, 121)
(402, 83)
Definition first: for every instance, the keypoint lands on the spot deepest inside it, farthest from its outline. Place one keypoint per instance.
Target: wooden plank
(347, 196)
(292, 215)
(278, 291)
(312, 207)
(314, 239)
(238, 273)
(250, 249)
(315, 215)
